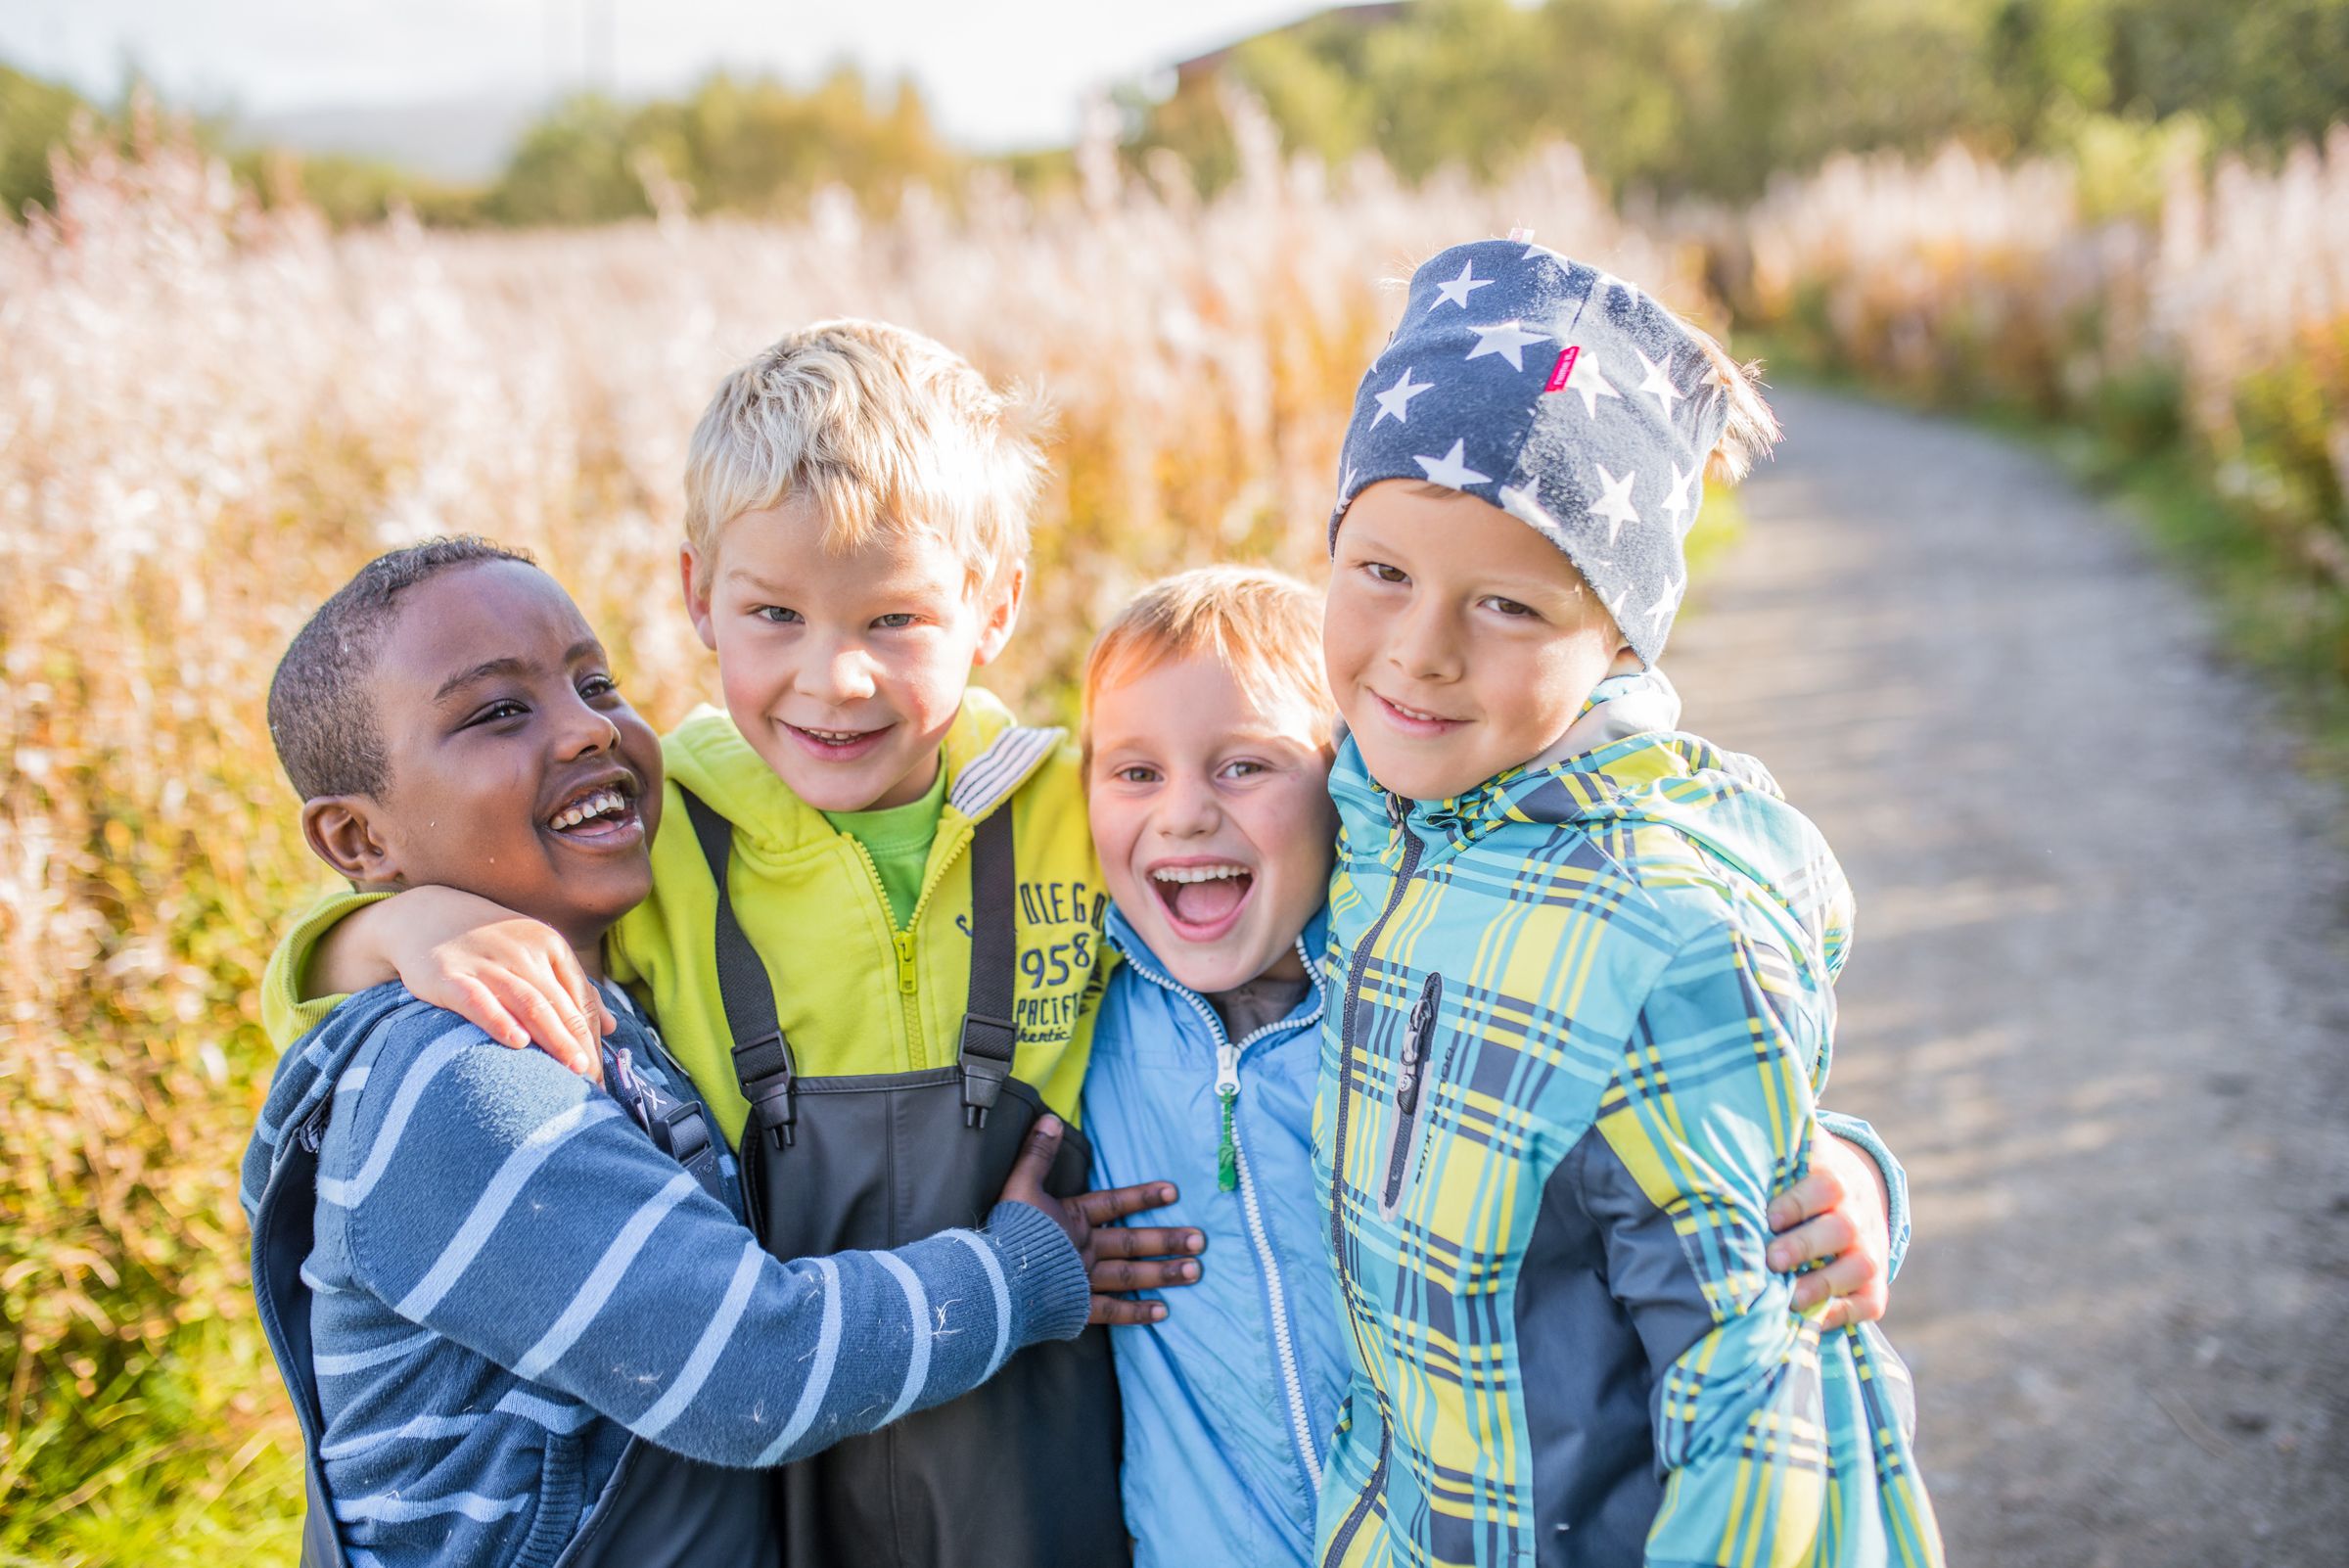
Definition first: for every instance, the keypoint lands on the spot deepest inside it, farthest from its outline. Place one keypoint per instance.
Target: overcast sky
(997, 74)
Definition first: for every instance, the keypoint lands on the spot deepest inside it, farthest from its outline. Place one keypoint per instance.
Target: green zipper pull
(1227, 1091)
(1227, 1152)
(904, 944)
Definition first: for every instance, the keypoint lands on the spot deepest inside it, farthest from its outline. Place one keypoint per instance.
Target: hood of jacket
(1623, 764)
(1130, 946)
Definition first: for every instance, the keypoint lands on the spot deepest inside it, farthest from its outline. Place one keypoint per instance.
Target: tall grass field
(211, 413)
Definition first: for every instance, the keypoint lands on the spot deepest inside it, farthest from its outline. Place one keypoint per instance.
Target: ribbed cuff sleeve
(1853, 1130)
(1049, 1292)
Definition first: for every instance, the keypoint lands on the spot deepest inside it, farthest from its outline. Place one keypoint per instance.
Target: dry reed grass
(210, 414)
(2217, 319)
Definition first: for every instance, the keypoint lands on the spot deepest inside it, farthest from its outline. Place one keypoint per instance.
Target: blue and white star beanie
(1564, 397)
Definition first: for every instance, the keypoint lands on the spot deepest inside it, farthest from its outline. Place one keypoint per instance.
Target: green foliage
(573, 166)
(35, 116)
(1712, 97)
(748, 146)
(345, 190)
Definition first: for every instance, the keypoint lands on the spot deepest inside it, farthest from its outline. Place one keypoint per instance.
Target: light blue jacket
(1228, 1402)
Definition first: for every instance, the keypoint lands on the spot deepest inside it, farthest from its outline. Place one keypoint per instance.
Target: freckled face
(844, 670)
(1461, 643)
(1212, 818)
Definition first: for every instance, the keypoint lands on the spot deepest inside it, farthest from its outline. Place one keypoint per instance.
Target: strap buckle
(763, 1067)
(986, 1049)
(685, 1132)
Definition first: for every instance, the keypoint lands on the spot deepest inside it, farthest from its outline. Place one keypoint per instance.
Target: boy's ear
(1001, 615)
(344, 831)
(697, 595)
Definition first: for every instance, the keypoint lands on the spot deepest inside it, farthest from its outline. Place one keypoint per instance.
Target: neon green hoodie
(855, 994)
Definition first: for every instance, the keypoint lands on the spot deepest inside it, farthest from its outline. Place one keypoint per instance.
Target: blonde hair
(1263, 625)
(1752, 429)
(881, 430)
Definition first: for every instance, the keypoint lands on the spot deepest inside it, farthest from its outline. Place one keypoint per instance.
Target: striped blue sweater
(510, 1277)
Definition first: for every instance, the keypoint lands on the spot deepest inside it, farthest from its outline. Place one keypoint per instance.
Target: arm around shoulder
(514, 1209)
(290, 1005)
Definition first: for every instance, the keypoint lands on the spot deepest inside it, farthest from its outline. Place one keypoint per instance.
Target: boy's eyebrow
(745, 575)
(511, 666)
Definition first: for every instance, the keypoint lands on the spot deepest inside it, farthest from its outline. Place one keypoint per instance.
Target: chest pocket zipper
(1410, 1090)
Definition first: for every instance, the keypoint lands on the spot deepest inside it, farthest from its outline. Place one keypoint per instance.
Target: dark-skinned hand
(1117, 1258)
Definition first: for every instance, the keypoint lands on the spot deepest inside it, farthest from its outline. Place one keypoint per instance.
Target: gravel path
(2100, 1001)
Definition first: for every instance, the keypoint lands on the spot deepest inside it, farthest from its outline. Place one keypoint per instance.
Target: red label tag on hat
(1563, 371)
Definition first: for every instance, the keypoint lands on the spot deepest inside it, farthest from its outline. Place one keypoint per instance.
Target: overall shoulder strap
(988, 1034)
(763, 1063)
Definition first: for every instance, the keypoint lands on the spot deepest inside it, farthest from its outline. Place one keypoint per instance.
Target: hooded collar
(1722, 800)
(1617, 742)
(987, 758)
(1145, 962)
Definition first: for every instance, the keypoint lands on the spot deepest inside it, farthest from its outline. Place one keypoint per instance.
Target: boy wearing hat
(1586, 970)
(1208, 734)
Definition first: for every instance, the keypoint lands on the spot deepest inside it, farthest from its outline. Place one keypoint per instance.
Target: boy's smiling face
(844, 669)
(1461, 643)
(1212, 820)
(515, 770)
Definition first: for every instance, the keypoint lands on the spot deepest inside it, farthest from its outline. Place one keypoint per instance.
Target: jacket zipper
(1376, 1485)
(1227, 1095)
(1410, 1085)
(1227, 1067)
(903, 945)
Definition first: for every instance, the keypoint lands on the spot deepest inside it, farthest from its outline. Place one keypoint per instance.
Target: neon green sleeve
(287, 1013)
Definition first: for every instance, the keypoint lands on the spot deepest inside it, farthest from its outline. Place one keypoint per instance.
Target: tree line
(1710, 98)
(1704, 98)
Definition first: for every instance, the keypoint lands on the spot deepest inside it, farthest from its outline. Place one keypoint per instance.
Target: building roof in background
(1200, 67)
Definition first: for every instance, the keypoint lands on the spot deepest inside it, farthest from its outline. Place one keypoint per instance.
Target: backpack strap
(988, 1034)
(762, 1062)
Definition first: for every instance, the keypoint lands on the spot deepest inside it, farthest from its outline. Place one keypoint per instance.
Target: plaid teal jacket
(1586, 1011)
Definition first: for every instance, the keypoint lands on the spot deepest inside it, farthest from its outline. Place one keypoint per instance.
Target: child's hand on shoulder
(511, 975)
(1117, 1258)
(1836, 1215)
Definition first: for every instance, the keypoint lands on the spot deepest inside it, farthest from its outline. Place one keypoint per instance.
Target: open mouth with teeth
(599, 814)
(1412, 720)
(837, 744)
(1203, 900)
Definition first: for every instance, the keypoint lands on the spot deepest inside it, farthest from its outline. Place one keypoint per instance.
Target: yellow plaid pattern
(1586, 1011)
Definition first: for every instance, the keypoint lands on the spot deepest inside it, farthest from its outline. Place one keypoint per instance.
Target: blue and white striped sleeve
(498, 1199)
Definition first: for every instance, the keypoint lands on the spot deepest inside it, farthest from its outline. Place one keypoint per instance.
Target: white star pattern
(1507, 338)
(1457, 291)
(1589, 382)
(1658, 385)
(1526, 507)
(1449, 470)
(1615, 604)
(1397, 399)
(1615, 504)
(1666, 602)
(1677, 502)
